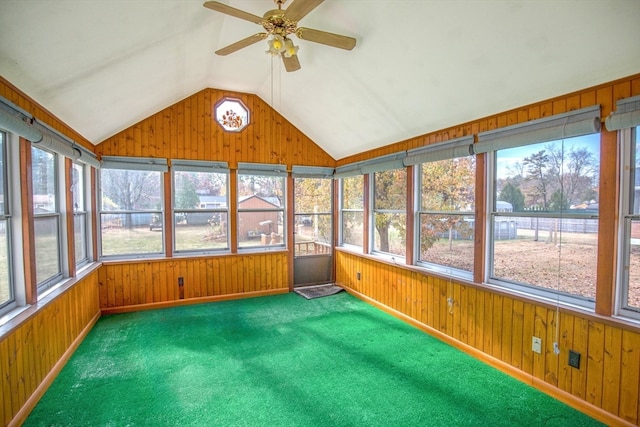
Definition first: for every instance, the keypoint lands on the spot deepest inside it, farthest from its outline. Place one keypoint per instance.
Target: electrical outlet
(180, 281)
(574, 359)
(536, 345)
(358, 275)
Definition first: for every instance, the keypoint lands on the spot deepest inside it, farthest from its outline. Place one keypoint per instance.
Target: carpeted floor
(283, 361)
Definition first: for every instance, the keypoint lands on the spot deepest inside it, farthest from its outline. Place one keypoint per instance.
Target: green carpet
(283, 361)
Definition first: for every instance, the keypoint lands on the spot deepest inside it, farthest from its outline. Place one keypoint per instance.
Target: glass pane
(551, 253)
(390, 233)
(127, 190)
(77, 187)
(635, 178)
(352, 228)
(47, 247)
(353, 192)
(254, 190)
(447, 240)
(449, 185)
(6, 290)
(199, 190)
(80, 236)
(313, 195)
(553, 176)
(314, 237)
(3, 173)
(196, 231)
(260, 228)
(391, 190)
(44, 181)
(633, 293)
(131, 233)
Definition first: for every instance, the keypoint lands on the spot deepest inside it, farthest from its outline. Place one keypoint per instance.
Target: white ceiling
(418, 66)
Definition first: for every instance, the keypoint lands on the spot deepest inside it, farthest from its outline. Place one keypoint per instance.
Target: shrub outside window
(46, 217)
(390, 212)
(446, 214)
(261, 209)
(352, 210)
(131, 210)
(544, 217)
(200, 208)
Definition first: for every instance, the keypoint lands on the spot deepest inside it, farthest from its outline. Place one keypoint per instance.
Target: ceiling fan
(279, 24)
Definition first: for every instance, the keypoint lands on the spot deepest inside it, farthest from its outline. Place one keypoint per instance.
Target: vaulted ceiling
(418, 66)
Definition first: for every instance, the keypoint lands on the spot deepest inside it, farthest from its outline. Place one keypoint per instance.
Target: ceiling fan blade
(323, 37)
(291, 63)
(300, 8)
(241, 44)
(232, 11)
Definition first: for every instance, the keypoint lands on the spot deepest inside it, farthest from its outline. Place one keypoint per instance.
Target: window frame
(373, 211)
(134, 164)
(629, 150)
(343, 210)
(418, 212)
(84, 213)
(58, 185)
(6, 217)
(200, 167)
(263, 170)
(529, 289)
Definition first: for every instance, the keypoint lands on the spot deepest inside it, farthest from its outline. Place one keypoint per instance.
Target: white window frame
(627, 139)
(136, 164)
(443, 152)
(200, 167)
(343, 209)
(59, 184)
(257, 169)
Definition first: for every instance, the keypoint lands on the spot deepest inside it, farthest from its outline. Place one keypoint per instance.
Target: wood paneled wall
(33, 351)
(188, 130)
(502, 326)
(124, 285)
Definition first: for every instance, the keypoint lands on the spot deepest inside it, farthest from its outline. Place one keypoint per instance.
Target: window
(544, 216)
(200, 206)
(390, 211)
(313, 211)
(46, 217)
(630, 271)
(7, 294)
(260, 204)
(80, 216)
(232, 114)
(446, 219)
(131, 207)
(352, 210)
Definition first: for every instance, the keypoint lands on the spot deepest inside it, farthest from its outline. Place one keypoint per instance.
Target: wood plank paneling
(203, 277)
(609, 373)
(187, 130)
(30, 349)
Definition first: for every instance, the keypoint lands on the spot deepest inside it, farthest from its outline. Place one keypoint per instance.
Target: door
(313, 231)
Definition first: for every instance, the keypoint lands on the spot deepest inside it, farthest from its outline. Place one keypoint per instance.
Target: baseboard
(189, 301)
(571, 400)
(42, 388)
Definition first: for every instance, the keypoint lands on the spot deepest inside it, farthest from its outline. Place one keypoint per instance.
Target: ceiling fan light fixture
(276, 45)
(290, 49)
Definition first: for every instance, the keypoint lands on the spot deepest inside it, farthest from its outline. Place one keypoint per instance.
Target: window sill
(617, 321)
(20, 314)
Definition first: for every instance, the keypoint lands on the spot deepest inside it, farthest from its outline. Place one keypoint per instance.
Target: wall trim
(190, 301)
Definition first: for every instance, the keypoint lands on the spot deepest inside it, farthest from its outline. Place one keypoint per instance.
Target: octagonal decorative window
(232, 114)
